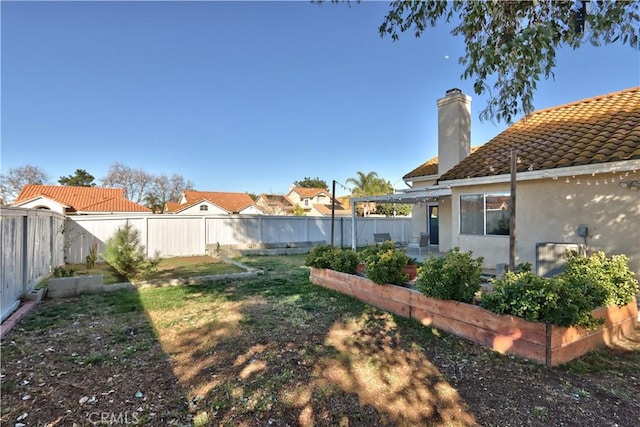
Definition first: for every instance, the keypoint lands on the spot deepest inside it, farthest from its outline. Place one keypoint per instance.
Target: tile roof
(231, 202)
(278, 198)
(326, 209)
(82, 199)
(304, 192)
(430, 167)
(596, 130)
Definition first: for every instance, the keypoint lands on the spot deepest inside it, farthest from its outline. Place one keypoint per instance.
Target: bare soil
(276, 351)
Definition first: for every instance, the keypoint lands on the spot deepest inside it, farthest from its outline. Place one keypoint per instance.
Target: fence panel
(32, 244)
(178, 235)
(175, 236)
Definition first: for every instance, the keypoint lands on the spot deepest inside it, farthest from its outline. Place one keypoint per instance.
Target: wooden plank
(512, 344)
(506, 325)
(504, 334)
(615, 315)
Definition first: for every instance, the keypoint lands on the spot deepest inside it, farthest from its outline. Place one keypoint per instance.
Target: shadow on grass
(277, 350)
(87, 360)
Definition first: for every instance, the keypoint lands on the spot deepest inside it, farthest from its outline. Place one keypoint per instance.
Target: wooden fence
(181, 235)
(32, 244)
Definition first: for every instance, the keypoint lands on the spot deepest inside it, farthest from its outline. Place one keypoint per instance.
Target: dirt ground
(277, 351)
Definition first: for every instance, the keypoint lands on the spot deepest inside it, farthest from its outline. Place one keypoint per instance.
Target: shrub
(605, 281)
(93, 255)
(344, 260)
(125, 255)
(456, 276)
(384, 263)
(63, 272)
(569, 298)
(539, 299)
(319, 257)
(324, 256)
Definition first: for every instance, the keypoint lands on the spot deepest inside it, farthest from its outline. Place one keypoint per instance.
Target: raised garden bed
(540, 342)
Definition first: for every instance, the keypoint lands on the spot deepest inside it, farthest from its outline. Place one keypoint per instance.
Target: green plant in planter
(61, 271)
(324, 256)
(319, 257)
(456, 276)
(568, 298)
(384, 264)
(344, 260)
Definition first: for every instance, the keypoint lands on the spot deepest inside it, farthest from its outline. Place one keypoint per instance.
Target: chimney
(454, 129)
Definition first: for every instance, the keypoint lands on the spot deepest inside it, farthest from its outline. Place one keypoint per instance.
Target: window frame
(484, 212)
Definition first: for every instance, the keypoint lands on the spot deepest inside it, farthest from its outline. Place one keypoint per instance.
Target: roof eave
(609, 167)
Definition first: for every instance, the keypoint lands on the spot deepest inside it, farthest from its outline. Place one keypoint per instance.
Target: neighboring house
(213, 203)
(275, 204)
(72, 200)
(315, 201)
(578, 173)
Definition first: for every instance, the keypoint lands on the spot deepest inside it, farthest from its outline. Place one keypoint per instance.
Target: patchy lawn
(169, 268)
(276, 350)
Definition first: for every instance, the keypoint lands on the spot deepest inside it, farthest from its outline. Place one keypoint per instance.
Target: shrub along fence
(32, 244)
(182, 235)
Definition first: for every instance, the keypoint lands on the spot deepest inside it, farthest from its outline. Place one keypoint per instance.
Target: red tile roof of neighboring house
(279, 199)
(82, 199)
(305, 192)
(171, 206)
(231, 202)
(430, 167)
(326, 209)
(596, 130)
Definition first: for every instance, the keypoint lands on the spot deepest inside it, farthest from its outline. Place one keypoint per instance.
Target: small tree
(125, 254)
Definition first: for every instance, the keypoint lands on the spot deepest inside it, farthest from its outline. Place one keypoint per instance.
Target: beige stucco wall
(551, 210)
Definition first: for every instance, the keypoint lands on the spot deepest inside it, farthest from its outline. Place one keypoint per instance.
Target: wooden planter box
(541, 342)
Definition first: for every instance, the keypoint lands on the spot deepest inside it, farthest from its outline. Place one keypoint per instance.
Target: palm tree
(369, 184)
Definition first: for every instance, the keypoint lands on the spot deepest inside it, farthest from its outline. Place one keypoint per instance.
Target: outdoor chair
(384, 237)
(419, 243)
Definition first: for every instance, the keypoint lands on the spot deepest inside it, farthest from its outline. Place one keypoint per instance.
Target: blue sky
(243, 96)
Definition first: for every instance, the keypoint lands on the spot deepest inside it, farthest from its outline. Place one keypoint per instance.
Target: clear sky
(243, 96)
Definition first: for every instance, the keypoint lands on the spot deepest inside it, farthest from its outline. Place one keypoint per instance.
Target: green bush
(605, 281)
(125, 255)
(319, 257)
(324, 256)
(456, 276)
(384, 264)
(63, 272)
(344, 260)
(568, 298)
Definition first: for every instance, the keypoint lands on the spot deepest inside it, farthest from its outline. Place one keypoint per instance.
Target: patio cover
(411, 196)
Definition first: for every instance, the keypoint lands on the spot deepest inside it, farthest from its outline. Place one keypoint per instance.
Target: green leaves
(510, 46)
(567, 299)
(455, 276)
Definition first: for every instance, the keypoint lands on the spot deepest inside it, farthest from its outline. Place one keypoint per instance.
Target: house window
(485, 214)
(204, 208)
(306, 202)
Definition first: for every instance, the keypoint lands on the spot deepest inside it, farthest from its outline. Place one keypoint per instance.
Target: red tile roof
(82, 199)
(231, 202)
(430, 167)
(596, 130)
(304, 192)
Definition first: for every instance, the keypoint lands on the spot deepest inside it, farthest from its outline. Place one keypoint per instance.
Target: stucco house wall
(550, 210)
(44, 203)
(195, 210)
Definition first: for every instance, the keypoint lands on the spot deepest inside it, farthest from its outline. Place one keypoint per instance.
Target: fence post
(25, 252)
